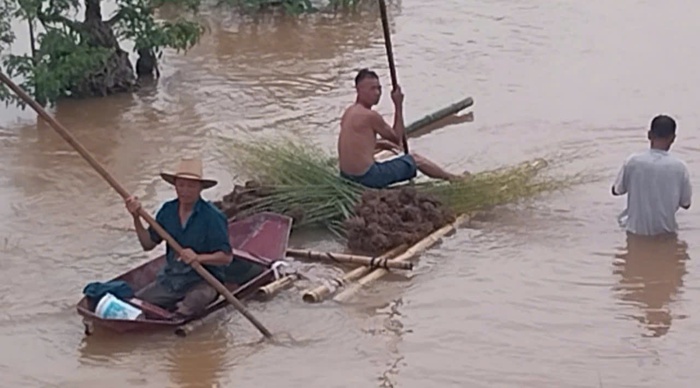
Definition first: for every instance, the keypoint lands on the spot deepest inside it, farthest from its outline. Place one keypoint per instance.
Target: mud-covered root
(388, 218)
(242, 198)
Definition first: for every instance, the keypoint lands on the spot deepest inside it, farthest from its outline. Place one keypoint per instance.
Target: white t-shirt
(657, 184)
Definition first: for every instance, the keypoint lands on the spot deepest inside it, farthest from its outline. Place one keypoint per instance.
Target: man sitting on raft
(200, 228)
(358, 142)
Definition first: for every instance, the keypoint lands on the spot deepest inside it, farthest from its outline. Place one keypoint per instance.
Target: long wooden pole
(372, 262)
(120, 189)
(390, 57)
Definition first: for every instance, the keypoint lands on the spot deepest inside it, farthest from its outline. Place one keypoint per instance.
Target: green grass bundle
(303, 181)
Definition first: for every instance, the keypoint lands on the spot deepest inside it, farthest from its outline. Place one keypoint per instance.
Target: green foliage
(135, 22)
(495, 187)
(7, 36)
(58, 62)
(67, 52)
(303, 176)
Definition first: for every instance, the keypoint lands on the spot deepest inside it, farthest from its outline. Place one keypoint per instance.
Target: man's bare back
(357, 140)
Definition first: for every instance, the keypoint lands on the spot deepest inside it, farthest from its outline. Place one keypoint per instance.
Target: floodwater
(545, 294)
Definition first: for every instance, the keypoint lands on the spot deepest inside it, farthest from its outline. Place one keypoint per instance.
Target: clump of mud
(241, 198)
(387, 218)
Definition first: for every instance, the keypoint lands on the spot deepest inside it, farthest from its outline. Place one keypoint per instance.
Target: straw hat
(189, 168)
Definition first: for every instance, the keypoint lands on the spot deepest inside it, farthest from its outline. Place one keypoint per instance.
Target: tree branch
(73, 25)
(116, 18)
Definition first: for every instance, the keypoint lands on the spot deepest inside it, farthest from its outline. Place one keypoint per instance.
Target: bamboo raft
(347, 285)
(372, 269)
(404, 256)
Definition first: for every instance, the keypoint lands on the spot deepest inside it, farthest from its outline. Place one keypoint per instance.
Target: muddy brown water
(546, 294)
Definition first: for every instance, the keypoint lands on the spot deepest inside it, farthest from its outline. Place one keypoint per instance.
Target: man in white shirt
(656, 183)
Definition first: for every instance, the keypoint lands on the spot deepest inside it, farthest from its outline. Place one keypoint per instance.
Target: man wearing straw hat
(358, 142)
(200, 228)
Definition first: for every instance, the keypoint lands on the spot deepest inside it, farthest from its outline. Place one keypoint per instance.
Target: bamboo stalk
(270, 290)
(390, 57)
(319, 293)
(372, 262)
(426, 121)
(440, 114)
(407, 255)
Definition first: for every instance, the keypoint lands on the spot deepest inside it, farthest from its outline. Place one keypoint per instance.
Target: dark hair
(663, 126)
(365, 73)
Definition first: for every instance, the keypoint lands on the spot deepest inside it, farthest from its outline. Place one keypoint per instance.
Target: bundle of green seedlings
(302, 181)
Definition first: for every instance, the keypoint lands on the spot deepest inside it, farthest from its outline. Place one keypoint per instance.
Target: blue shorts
(384, 174)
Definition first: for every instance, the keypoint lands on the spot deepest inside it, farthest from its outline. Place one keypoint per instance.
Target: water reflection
(197, 362)
(123, 134)
(291, 57)
(106, 348)
(316, 37)
(47, 159)
(652, 269)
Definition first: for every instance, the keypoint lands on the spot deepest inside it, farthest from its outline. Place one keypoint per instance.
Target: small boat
(260, 240)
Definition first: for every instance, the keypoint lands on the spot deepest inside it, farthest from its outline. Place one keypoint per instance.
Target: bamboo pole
(319, 293)
(407, 255)
(428, 120)
(372, 262)
(270, 290)
(390, 58)
(439, 114)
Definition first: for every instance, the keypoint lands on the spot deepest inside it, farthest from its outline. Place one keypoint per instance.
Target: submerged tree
(72, 58)
(83, 58)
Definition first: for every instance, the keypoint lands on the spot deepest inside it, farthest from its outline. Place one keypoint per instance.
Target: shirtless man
(357, 141)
